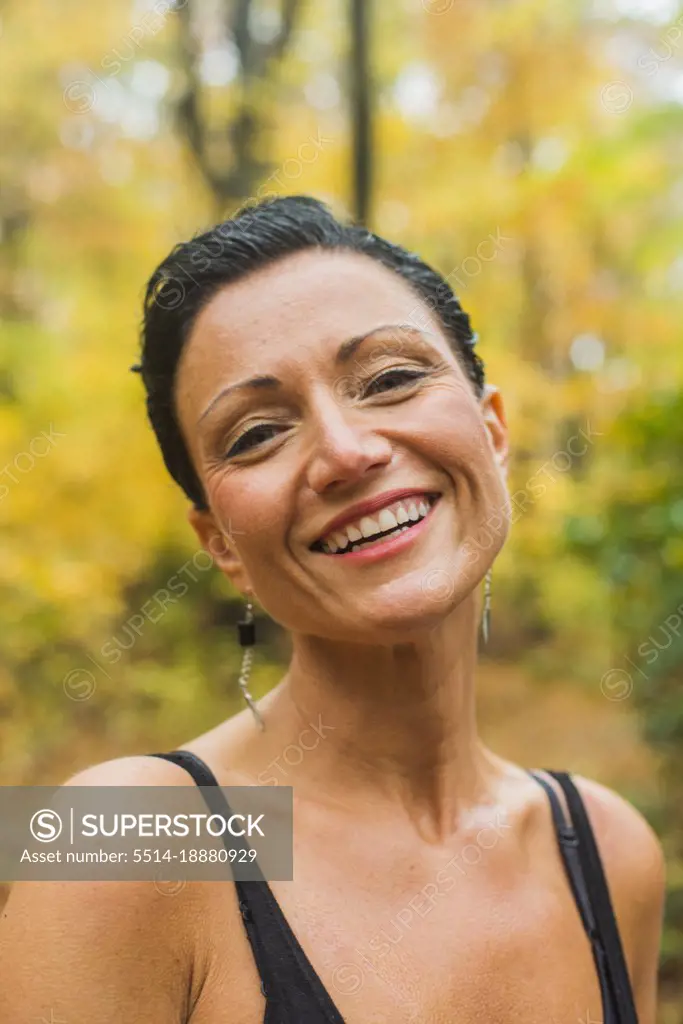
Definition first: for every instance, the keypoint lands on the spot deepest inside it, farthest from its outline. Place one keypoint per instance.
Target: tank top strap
(568, 843)
(289, 981)
(198, 769)
(601, 902)
(215, 800)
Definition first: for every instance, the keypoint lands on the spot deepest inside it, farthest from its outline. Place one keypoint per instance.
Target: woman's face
(316, 385)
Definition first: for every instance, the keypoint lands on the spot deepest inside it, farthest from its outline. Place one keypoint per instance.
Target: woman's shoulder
(121, 933)
(147, 899)
(628, 845)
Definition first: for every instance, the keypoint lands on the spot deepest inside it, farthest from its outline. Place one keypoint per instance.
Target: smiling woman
(315, 392)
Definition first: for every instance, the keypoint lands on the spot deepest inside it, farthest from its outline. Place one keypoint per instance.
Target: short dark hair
(258, 235)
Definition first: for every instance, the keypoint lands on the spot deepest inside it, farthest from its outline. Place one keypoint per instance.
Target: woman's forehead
(311, 299)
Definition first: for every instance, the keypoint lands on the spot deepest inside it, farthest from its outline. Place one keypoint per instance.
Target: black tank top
(296, 995)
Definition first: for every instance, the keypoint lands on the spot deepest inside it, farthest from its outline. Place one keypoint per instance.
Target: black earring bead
(247, 632)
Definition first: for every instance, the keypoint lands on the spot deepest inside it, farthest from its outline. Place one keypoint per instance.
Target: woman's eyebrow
(344, 353)
(348, 348)
(262, 381)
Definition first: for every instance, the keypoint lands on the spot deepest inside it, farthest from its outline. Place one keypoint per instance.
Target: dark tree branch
(234, 179)
(189, 115)
(290, 10)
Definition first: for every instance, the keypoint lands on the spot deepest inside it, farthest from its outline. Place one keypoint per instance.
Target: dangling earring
(486, 616)
(247, 637)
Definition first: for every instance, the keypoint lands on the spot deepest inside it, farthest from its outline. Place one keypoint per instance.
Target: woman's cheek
(495, 526)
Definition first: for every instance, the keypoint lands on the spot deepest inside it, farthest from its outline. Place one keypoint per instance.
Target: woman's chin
(395, 617)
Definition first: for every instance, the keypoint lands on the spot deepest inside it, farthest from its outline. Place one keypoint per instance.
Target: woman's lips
(400, 506)
(392, 545)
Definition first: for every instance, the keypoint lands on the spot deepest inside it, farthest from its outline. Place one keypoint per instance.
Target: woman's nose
(344, 448)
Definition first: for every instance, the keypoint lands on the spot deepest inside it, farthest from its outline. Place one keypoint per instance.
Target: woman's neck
(394, 723)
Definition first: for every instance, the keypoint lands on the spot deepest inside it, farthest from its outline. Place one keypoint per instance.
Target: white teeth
(391, 518)
(387, 520)
(368, 527)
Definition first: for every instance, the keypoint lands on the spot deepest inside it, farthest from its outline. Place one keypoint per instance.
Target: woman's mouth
(379, 529)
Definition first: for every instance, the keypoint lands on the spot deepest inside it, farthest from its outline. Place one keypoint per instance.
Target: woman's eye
(250, 438)
(393, 379)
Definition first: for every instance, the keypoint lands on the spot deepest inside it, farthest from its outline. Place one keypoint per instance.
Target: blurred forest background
(534, 153)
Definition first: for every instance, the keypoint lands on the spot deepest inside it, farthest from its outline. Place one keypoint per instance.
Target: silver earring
(246, 628)
(486, 616)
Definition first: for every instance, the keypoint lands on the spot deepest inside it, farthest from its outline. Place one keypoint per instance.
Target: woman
(315, 392)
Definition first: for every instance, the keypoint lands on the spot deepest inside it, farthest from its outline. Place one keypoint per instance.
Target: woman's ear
(221, 546)
(493, 410)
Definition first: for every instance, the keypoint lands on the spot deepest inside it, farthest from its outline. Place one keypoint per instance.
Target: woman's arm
(100, 951)
(634, 864)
